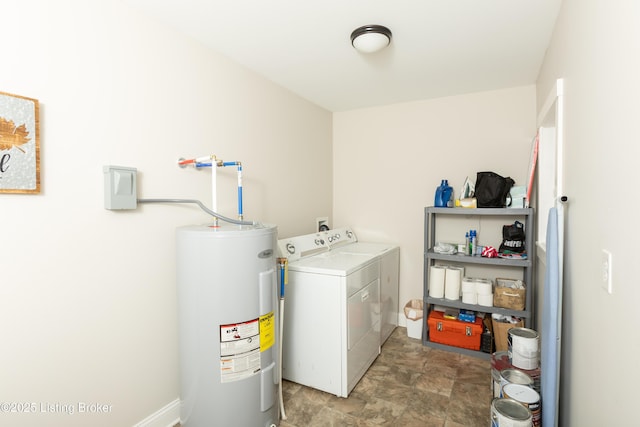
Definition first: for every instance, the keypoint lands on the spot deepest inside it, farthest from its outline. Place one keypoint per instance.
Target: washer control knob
(290, 248)
(319, 242)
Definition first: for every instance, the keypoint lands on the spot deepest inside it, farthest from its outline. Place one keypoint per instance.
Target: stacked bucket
(516, 381)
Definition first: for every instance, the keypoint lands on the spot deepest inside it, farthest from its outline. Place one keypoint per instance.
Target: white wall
(595, 49)
(87, 296)
(389, 160)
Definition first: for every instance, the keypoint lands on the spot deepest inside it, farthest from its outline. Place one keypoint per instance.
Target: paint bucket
(528, 397)
(514, 376)
(535, 376)
(523, 348)
(499, 362)
(509, 413)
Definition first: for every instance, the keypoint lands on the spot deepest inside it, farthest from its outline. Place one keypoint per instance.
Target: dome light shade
(370, 38)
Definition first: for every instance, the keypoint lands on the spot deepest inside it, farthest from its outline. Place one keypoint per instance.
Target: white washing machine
(332, 316)
(389, 256)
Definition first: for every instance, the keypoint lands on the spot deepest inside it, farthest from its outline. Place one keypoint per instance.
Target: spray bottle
(466, 243)
(474, 242)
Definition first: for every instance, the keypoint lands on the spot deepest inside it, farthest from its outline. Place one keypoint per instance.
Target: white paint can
(514, 376)
(499, 361)
(528, 397)
(509, 413)
(524, 348)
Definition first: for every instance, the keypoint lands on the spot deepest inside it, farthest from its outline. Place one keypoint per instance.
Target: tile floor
(408, 385)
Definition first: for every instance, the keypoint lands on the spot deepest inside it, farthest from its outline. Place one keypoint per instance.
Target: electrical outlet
(322, 223)
(607, 271)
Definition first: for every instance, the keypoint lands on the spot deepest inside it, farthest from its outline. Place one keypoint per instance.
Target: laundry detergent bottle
(444, 195)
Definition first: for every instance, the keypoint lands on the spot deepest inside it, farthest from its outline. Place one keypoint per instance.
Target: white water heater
(227, 325)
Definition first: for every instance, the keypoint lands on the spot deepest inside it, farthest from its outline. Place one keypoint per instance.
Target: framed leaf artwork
(19, 144)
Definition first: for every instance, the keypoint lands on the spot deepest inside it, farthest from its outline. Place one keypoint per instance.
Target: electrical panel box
(120, 187)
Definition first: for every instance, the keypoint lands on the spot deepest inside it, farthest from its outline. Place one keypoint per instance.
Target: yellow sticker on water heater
(267, 331)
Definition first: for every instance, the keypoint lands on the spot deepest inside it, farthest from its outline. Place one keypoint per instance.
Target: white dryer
(389, 256)
(331, 317)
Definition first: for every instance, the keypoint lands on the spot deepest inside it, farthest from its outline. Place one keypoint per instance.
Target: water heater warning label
(241, 345)
(239, 350)
(239, 331)
(267, 331)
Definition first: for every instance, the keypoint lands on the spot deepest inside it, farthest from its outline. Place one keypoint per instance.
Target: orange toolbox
(454, 332)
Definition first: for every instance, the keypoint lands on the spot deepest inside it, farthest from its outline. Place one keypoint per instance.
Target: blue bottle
(474, 242)
(444, 195)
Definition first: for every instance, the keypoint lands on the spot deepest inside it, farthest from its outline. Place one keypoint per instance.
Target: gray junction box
(120, 187)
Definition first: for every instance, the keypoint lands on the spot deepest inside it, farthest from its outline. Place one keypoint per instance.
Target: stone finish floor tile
(408, 385)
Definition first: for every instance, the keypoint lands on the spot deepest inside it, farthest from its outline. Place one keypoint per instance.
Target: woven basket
(509, 297)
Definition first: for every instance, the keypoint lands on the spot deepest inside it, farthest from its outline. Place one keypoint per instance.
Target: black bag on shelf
(491, 190)
(513, 238)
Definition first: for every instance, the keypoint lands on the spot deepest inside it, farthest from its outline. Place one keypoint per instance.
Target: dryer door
(363, 315)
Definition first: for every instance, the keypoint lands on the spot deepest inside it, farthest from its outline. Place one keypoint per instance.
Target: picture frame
(19, 144)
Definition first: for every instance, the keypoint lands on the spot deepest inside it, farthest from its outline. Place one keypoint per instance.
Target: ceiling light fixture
(370, 38)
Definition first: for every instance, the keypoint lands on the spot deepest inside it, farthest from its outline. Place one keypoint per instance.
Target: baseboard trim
(167, 416)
